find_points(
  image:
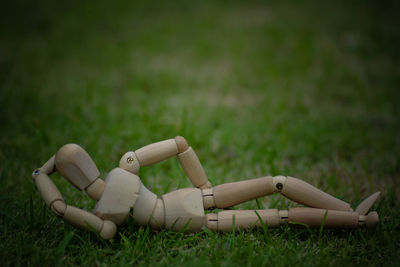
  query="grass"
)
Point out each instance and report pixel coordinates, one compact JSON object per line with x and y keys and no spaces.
{"x":304,"y":89}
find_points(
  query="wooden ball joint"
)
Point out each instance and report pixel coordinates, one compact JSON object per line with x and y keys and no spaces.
{"x":123,"y":191}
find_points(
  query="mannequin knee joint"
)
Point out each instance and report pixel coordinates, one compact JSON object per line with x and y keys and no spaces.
{"x":279,"y":182}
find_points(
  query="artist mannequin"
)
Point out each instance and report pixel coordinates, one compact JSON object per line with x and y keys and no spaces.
{"x":123,"y":190}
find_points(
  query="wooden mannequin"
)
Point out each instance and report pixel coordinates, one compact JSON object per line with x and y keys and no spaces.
{"x":123,"y":191}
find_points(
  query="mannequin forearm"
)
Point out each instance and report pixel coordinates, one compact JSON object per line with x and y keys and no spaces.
{"x":75,"y":216}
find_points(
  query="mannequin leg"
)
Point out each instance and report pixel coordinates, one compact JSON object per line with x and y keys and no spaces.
{"x":226,"y":220}
{"x":230,"y":194}
{"x":334,"y":218}
{"x":244,"y":219}
{"x":308,"y":195}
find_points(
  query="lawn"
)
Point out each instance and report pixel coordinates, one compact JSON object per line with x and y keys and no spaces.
{"x":305,"y":89}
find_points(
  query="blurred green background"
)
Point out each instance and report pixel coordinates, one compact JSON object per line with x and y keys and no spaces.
{"x":305,"y":88}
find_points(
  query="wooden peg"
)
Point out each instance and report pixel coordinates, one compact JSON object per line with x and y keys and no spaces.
{"x":184,"y":208}
{"x":370,"y":221}
{"x":192,"y":167}
{"x":308,"y":195}
{"x":314,"y":217}
{"x":156,"y":152}
{"x":283,"y":216}
{"x":278,"y":183}
{"x":208,"y":198}
{"x":230,"y":194}
{"x":75,"y":164}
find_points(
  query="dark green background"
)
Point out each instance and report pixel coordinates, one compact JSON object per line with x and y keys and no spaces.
{"x":305,"y":88}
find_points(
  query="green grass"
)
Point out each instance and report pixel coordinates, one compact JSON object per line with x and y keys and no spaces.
{"x":306,"y":89}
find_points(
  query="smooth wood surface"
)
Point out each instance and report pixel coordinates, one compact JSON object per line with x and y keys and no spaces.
{"x":245,"y":219}
{"x":75,"y":165}
{"x":314,"y":217}
{"x":120,"y":194}
{"x":129,"y":162}
{"x":49,"y":167}
{"x":109,"y":230}
{"x":81,"y":219}
{"x":85,"y":220}
{"x":184,"y":208}
{"x":156,"y":152}
{"x":230,"y":194}
{"x":207,"y":185}
{"x":58,"y":207}
{"x":192,"y":167}
{"x":144,"y":206}
{"x":47,"y":189}
{"x":96,"y":189}
{"x":372,"y":219}
{"x":157,"y":220}
{"x":181,"y":143}
{"x":308,"y":195}
{"x":364,"y":206}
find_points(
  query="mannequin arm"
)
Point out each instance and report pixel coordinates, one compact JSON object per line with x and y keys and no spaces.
{"x":156,"y":152}
{"x":54,"y":200}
